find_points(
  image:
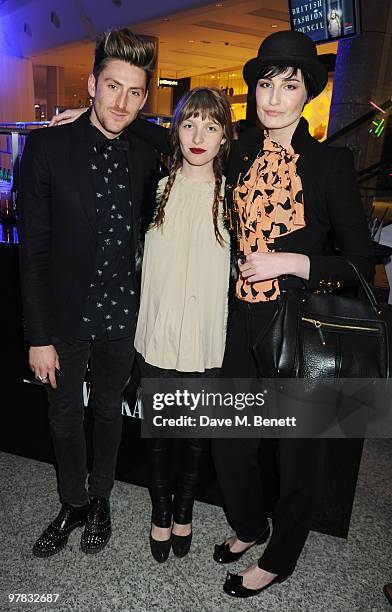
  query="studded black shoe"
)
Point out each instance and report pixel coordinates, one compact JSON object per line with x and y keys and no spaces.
{"x":55,"y":536}
{"x":98,"y":526}
{"x":223,"y":554}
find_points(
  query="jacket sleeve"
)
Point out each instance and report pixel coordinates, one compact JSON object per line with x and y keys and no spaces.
{"x":34,"y":212}
{"x":155,"y":135}
{"x":349,"y":226}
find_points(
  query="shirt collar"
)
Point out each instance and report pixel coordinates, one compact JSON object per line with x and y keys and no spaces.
{"x":98,"y":141}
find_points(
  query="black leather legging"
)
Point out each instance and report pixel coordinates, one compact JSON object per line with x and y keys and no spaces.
{"x":192,"y":450}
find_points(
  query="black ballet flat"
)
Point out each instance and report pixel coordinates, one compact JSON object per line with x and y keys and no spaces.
{"x":233,"y":586}
{"x":223,"y":554}
{"x":181,"y":544}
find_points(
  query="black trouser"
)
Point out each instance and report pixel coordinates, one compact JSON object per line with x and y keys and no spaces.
{"x":110,"y":363}
{"x":299,"y":461}
{"x":159,"y":456}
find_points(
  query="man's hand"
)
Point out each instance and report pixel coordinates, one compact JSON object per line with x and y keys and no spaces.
{"x":43,"y":361}
{"x":67,"y":116}
{"x":263,"y":266}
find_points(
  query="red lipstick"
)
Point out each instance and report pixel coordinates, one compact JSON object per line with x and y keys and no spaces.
{"x":197,"y":151}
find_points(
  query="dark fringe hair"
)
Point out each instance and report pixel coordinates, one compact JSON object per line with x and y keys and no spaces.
{"x":206,"y":103}
{"x":268,"y":72}
{"x":123,"y":44}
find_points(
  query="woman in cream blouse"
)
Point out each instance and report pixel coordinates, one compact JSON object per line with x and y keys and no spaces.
{"x":183,"y":310}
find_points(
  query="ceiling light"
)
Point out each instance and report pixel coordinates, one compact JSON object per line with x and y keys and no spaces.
{"x":191,"y":41}
{"x":219,"y":4}
{"x":274,"y":26}
{"x":212,"y":76}
{"x":232,"y":74}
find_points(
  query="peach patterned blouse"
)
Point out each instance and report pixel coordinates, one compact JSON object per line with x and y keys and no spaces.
{"x":269,"y":203}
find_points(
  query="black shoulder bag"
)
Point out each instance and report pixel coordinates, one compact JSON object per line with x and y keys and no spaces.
{"x":315,"y":335}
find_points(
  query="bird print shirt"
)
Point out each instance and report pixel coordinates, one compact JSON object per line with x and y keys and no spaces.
{"x":269,"y":204}
{"x":110,"y":305}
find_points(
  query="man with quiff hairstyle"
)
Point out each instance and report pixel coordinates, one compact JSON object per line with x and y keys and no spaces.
{"x":82,"y":189}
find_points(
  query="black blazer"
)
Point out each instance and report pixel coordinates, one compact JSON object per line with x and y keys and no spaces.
{"x":57,"y":224}
{"x":334,"y":213}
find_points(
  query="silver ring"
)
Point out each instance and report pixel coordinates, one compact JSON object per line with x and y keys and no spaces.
{"x":41,"y":378}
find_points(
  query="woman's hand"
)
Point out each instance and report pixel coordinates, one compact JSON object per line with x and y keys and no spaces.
{"x":67,"y":116}
{"x":263,"y":266}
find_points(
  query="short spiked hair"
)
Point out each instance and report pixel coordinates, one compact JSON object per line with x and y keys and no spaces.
{"x":124,"y":45}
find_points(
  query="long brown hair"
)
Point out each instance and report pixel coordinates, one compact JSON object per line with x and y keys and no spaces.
{"x":207,"y":103}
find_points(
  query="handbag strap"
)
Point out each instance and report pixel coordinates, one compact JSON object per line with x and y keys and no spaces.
{"x":290,"y":282}
{"x":364,"y":285}
{"x":290,"y":325}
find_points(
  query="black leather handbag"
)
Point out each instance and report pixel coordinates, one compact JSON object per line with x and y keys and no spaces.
{"x":314,"y":335}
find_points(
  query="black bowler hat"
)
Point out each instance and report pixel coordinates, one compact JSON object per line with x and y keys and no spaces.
{"x":288,"y":48}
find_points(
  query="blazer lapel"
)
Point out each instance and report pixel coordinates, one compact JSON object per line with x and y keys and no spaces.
{"x":303,"y":144}
{"x":80,"y":162}
{"x":300,"y":143}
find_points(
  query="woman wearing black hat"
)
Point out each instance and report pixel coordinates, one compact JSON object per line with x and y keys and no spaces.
{"x":285,"y":193}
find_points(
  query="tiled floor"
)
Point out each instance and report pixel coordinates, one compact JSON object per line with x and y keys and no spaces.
{"x":333,"y":575}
